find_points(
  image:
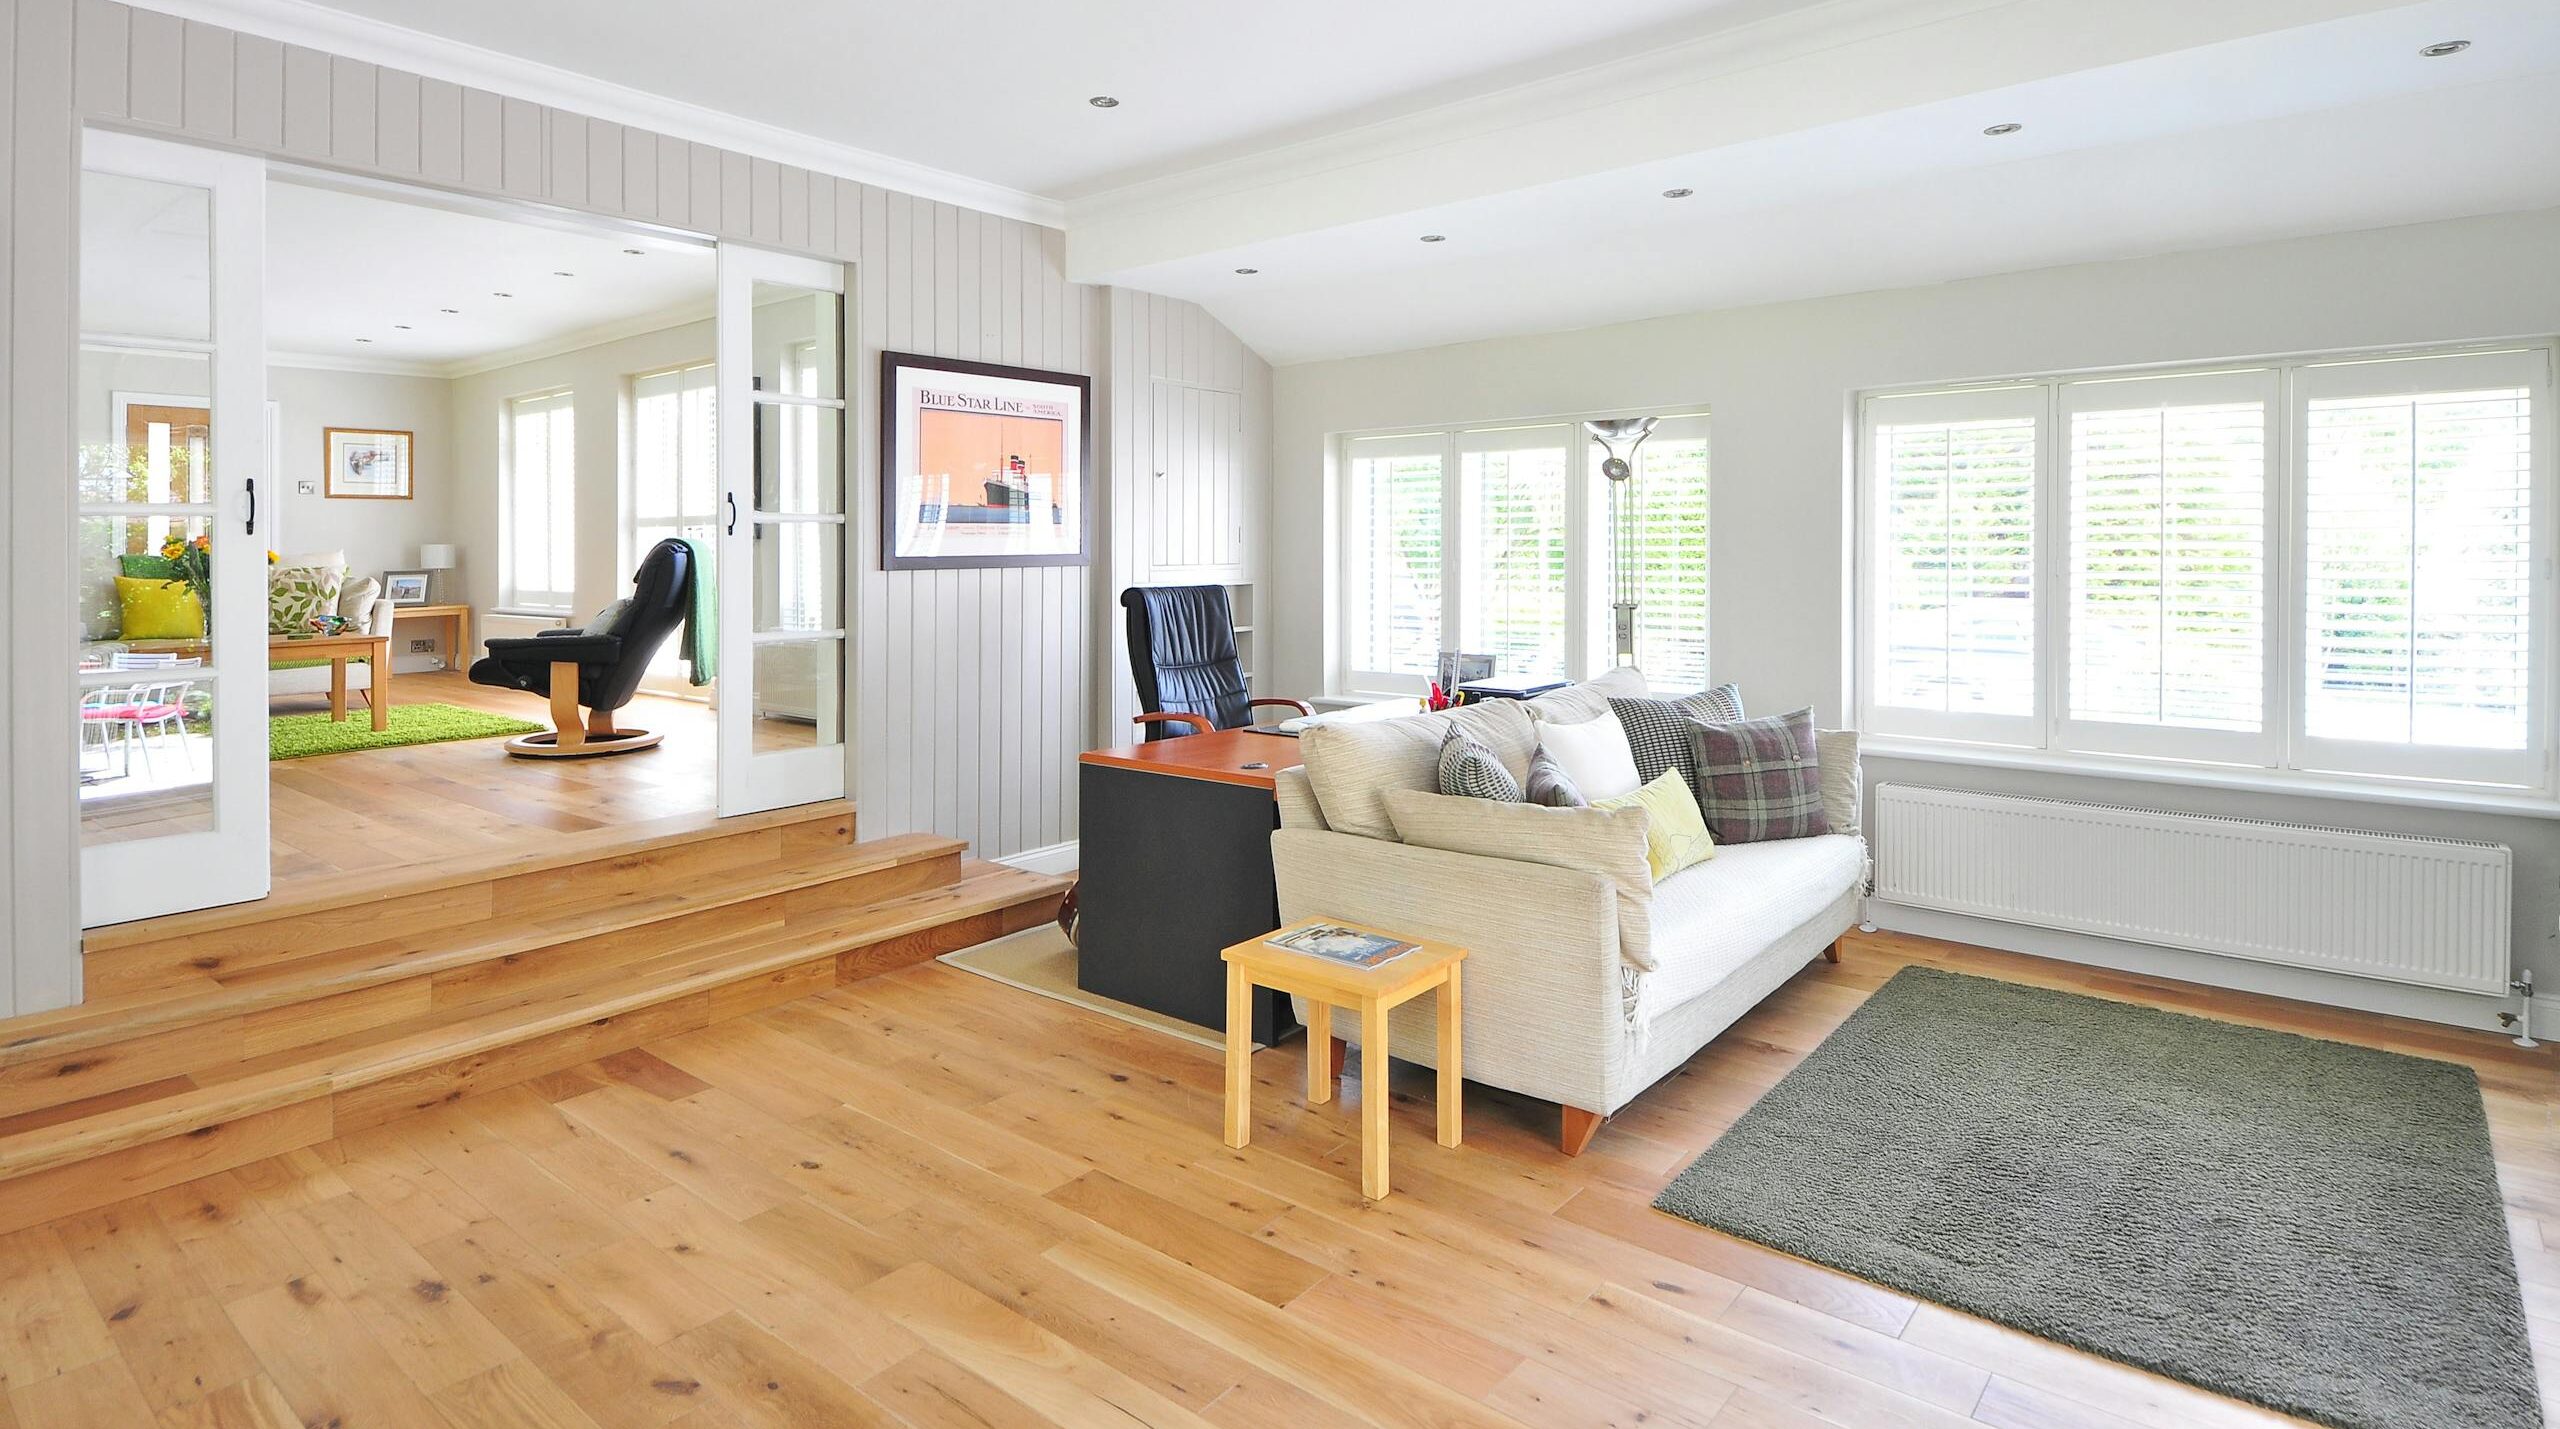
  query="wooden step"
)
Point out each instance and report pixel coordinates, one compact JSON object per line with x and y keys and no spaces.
{"x":225,"y":1115}
{"x":109,"y":1044}
{"x":190,"y":952}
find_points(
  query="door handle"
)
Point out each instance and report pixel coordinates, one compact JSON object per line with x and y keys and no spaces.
{"x":733,"y":512}
{"x":253,"y":506}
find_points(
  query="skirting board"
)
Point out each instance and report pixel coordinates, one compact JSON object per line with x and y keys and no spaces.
{"x":1054,"y":859}
{"x":2214,"y":970}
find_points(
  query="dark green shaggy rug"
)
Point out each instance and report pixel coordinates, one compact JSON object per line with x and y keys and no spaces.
{"x":2307,"y":1225}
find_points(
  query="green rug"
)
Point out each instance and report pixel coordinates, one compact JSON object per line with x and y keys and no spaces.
{"x":2307,"y":1225}
{"x":297,"y":736}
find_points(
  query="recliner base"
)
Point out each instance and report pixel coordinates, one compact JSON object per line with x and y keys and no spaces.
{"x":547,"y":745}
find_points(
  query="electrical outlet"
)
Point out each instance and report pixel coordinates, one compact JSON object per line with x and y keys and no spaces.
{"x":422,"y":647}
{"x":306,"y":488}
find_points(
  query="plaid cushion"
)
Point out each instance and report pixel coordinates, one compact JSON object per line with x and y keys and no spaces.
{"x":1472,"y":771}
{"x":1549,"y":785}
{"x":1658,"y":730}
{"x":1759,"y":779}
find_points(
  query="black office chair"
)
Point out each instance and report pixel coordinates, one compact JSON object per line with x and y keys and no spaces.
{"x":1182,"y":653}
{"x":596,"y":666}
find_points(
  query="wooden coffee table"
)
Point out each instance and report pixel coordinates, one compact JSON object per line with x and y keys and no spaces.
{"x":1373,"y":993}
{"x":374,"y":650}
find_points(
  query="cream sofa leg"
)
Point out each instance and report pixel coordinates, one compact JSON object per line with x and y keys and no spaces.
{"x":1832,"y":954}
{"x":1579,"y":1127}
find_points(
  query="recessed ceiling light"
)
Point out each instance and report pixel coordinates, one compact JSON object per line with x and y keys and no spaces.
{"x":634,"y":252}
{"x":2441,"y":48}
{"x":502,"y":295}
{"x":1248,"y":272}
{"x":364,"y":339}
{"x":448,"y":310}
{"x":1103,"y":101}
{"x":562,"y":273}
{"x":1677,"y":193}
{"x":1435,"y":238}
{"x":2000,"y":130}
{"x":404,"y":327}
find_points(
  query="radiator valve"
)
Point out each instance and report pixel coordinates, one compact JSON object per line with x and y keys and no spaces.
{"x":2522,"y":1018}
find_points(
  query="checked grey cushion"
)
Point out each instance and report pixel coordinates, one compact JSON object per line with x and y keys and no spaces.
{"x":1759,"y":779}
{"x":1549,"y":785}
{"x":1658,"y":730}
{"x":1470,"y":770}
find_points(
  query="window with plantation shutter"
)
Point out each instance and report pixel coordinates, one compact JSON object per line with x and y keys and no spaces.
{"x":2419,"y":552}
{"x":2168,"y":563}
{"x":1391,"y":577}
{"x":1669,"y":553}
{"x":538,"y":537}
{"x":1513,"y":600}
{"x":674,"y":479}
{"x":1953,"y":491}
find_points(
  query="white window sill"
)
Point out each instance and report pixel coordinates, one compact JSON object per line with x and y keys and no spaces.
{"x":2514,"y":803}
{"x":531,"y":612}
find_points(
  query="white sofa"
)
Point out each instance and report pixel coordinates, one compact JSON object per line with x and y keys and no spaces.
{"x":372,"y":615}
{"x":1557,"y":1005}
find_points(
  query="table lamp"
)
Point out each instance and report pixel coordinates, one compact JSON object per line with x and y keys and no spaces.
{"x":435,"y":558}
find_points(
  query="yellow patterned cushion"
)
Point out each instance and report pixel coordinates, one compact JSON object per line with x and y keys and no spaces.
{"x":1675,"y":832}
{"x":159,"y":610}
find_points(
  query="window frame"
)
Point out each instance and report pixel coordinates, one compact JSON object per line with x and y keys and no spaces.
{"x":2282,"y":754}
{"x":1587,"y":631}
{"x":510,"y":598}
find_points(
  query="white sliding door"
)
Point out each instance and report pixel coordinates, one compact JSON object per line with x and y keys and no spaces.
{"x":784,"y":538}
{"x":172,"y":645}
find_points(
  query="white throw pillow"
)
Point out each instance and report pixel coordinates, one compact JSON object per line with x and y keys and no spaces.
{"x":1594,"y":754}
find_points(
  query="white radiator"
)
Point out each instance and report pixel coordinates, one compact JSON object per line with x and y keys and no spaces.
{"x":2433,"y":912}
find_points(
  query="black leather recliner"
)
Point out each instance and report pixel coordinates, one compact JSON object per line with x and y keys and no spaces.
{"x":597,"y":666}
{"x":1182,"y":653}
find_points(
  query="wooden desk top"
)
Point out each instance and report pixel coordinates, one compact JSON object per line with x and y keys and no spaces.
{"x":1220,"y":756}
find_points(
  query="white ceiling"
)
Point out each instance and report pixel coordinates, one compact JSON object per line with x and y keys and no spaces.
{"x":1834,"y":145}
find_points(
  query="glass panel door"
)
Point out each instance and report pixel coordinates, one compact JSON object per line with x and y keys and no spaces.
{"x":783,"y":535}
{"x":172,"y":643}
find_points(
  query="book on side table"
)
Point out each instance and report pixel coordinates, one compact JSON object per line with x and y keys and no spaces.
{"x":1339,"y":943}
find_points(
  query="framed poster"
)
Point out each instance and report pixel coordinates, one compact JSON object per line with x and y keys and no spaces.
{"x":982,"y":465}
{"x":366,"y":465}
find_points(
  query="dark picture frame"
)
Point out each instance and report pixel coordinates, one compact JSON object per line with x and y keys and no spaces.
{"x":993,"y":506}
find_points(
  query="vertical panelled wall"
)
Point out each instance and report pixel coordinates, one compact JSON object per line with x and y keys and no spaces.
{"x":973,"y":692}
{"x":1172,"y":521}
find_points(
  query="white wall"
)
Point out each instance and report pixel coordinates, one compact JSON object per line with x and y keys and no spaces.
{"x":376,"y":535}
{"x":1779,"y":380}
{"x":599,"y":376}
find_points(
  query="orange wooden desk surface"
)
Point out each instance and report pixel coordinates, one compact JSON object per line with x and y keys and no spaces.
{"x":1220,"y":755}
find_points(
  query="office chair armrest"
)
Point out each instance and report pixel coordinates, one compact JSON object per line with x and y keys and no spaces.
{"x":1199,"y":723}
{"x":1301,"y":706}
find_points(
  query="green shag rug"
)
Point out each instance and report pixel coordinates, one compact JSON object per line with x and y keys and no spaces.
{"x":297,"y":736}
{"x":2306,"y":1225}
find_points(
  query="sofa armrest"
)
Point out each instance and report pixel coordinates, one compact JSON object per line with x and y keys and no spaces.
{"x":379,"y":615}
{"x":1545,"y":997}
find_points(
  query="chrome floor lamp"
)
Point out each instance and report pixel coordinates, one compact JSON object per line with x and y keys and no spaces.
{"x":1619,"y":437}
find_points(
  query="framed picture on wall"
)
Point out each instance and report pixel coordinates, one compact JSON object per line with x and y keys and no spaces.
{"x":366,"y":465}
{"x":982,"y":465}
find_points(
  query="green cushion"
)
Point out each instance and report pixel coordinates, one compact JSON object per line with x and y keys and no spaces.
{"x":146,"y":567}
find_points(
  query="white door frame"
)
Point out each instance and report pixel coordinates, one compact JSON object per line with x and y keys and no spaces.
{"x":226,"y":863}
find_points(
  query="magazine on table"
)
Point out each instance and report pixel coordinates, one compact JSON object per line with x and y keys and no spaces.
{"x":1335,"y":943}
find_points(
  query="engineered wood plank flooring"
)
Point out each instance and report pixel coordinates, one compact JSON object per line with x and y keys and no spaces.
{"x":927,"y":1200}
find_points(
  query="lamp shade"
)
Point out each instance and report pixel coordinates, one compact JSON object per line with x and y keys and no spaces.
{"x":435,"y":558}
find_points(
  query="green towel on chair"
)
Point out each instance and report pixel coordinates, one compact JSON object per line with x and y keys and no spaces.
{"x":702,"y":621}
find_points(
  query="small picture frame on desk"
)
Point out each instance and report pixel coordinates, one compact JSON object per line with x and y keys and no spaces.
{"x":405,"y":587}
{"x":1459,"y":668}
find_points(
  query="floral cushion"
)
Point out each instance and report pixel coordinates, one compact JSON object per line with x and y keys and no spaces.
{"x":299,"y":595}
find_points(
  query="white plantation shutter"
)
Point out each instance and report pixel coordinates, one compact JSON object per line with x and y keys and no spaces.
{"x":2168,"y":564}
{"x":1394,"y":527}
{"x":1669,"y":554}
{"x":1513,"y":600}
{"x":674,"y":478}
{"x":1952,"y":638}
{"x":2422,"y":600}
{"x":540,"y":536}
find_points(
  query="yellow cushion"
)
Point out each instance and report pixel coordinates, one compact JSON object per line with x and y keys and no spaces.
{"x":1675,"y":832}
{"x":159,"y":610}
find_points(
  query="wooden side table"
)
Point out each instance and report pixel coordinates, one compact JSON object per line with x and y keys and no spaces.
{"x":1373,"y":993}
{"x":456,"y":620}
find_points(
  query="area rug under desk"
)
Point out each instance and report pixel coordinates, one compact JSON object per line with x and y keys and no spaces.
{"x":2308,"y":1225}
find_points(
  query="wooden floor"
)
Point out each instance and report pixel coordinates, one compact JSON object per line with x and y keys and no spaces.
{"x":378,"y":808}
{"x":930,"y":1199}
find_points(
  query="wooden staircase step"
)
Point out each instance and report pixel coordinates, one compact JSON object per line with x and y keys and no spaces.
{"x":227,"y":1115}
{"x":56,"y":1053}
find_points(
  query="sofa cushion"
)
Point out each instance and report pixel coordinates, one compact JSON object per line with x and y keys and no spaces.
{"x":1594,"y":753}
{"x":1712,"y":918}
{"x":1675,"y":833}
{"x":1548,"y":784}
{"x":299,"y":595}
{"x":1576,"y":703}
{"x":1468,"y":770}
{"x":1608,"y":842}
{"x":1760,"y":779}
{"x":1841,"y":787}
{"x":1658,"y":730}
{"x":1351,"y":765}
